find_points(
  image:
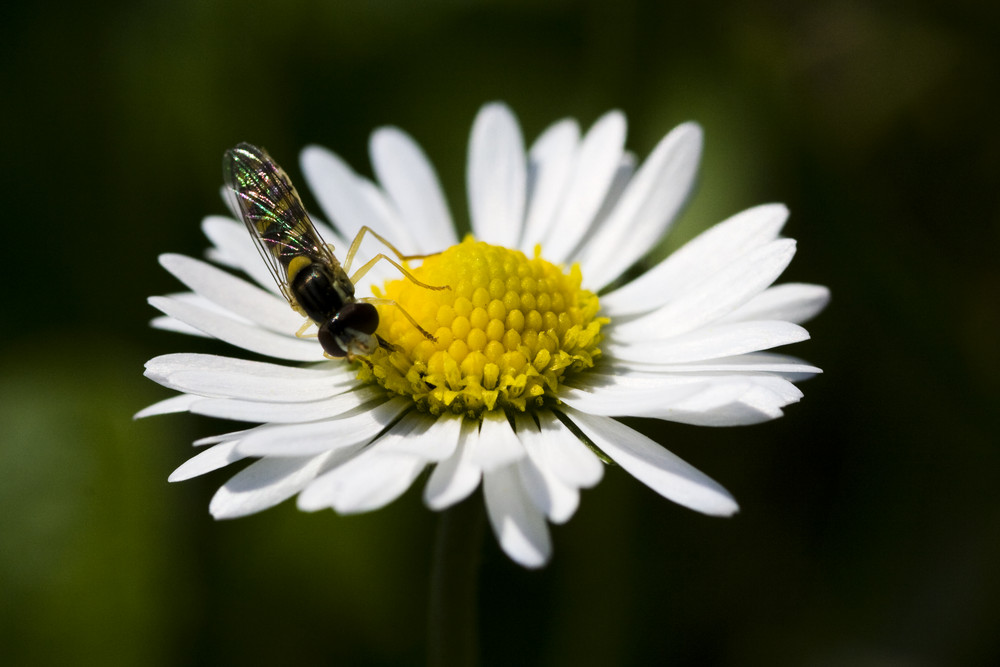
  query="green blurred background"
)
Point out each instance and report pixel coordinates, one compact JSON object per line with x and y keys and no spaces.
{"x":869,"y":525}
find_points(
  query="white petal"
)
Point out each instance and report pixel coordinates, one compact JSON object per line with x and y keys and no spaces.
{"x":217,"y":376}
{"x":714,"y":298}
{"x":203,"y":303}
{"x":498,"y":444}
{"x":757,"y":402}
{"x":231,"y":436}
{"x":164,"y":323}
{"x":211,"y":459}
{"x":638,"y":401}
{"x":594,"y":170}
{"x":497,"y":177}
{"x":240,"y":334}
{"x":550,"y":165}
{"x":565,"y":455}
{"x":519,"y":527}
{"x":457,"y":476}
{"x":395,"y":473}
{"x":235,"y":248}
{"x":770,"y":390}
{"x":403,"y":235}
{"x":646,"y":209}
{"x":229,"y":239}
{"x":656,"y":467}
{"x":167,"y":366}
{"x":792,"y":302}
{"x":341,"y":194}
{"x":548,"y":493}
{"x":432,"y":438}
{"x":288,"y":413}
{"x":557,"y":500}
{"x":619,"y":184}
{"x":264,"y":484}
{"x":319,"y":494}
{"x":719,"y":340}
{"x":411,"y":183}
{"x":711,"y":400}
{"x":382,"y":218}
{"x":737,"y":401}
{"x":370,"y":480}
{"x":167,"y":406}
{"x":701,"y":257}
{"x":354,"y":428}
{"x":608,"y":376}
{"x":760,"y":362}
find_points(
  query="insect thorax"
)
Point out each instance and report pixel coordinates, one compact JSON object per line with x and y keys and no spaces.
{"x":318,"y":292}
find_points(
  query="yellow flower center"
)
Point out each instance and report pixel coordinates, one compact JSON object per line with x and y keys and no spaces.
{"x":507,"y":332}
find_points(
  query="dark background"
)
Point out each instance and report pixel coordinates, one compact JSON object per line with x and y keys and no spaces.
{"x":869,"y":522}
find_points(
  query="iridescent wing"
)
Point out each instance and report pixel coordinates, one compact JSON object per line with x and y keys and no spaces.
{"x":273,"y":213}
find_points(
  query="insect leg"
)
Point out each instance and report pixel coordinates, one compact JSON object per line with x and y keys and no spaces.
{"x":301,"y":333}
{"x":356,"y":276}
{"x":389,"y":302}
{"x":356,"y":243}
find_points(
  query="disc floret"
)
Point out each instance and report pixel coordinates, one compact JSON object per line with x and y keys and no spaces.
{"x":507,"y":333}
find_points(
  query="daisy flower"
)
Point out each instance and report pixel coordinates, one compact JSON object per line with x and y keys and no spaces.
{"x":537,"y":345}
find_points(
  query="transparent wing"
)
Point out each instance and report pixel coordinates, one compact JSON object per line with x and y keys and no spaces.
{"x":273,"y":213}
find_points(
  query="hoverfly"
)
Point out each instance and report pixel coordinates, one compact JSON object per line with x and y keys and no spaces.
{"x":304,"y":267}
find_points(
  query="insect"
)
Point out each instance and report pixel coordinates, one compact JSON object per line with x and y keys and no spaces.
{"x":304,"y":267}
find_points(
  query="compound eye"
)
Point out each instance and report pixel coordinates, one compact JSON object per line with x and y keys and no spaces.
{"x":328,"y":339}
{"x":361,"y":317}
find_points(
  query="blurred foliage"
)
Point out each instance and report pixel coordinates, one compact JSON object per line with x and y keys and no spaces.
{"x":869,"y":514}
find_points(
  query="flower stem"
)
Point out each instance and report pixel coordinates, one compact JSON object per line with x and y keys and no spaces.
{"x":452,"y":617}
